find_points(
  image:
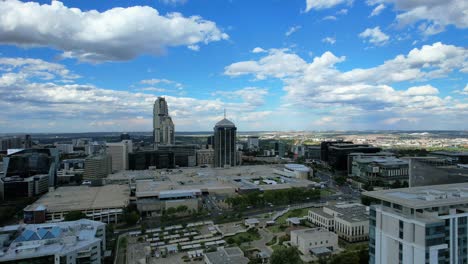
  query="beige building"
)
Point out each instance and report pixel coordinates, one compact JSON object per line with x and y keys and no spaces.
{"x":103,"y":203}
{"x":349,"y":221}
{"x":309,"y":239}
{"x":205,"y":156}
{"x":119,"y":153}
{"x":97,"y":167}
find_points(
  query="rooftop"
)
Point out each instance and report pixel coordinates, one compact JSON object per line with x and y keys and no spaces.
{"x":310,"y":233}
{"x":212,"y":180}
{"x":351,"y":212}
{"x":297,"y":167}
{"x":424,"y":196}
{"x":77,"y":198}
{"x":48,"y":239}
{"x":233,"y":255}
{"x":225,"y":123}
{"x":449,"y":153}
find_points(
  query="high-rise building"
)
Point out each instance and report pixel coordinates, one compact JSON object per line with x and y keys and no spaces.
{"x":419,"y":225}
{"x":225,"y":144}
{"x":253,"y":143}
{"x":30,"y":162}
{"x":97,"y":166}
{"x":119,"y":153}
{"x":23,"y":142}
{"x":280,"y":149}
{"x":336,"y":153}
{"x":143,"y":160}
{"x":163,"y":127}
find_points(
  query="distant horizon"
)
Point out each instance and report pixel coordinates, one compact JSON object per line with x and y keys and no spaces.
{"x":253,"y":131}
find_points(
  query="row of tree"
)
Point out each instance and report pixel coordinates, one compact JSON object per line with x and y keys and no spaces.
{"x":276,"y":197}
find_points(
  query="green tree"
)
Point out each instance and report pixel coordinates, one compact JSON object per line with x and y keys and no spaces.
{"x":74,"y":215}
{"x":396,"y":185}
{"x":131,"y":215}
{"x":286,"y":256}
{"x":340,"y":180}
{"x":131,"y":218}
{"x":181,"y":208}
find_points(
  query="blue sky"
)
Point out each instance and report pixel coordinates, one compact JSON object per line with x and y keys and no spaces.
{"x":78,"y":66}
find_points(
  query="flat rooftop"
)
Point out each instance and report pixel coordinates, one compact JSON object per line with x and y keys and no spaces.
{"x":212,"y":180}
{"x":424,"y":196}
{"x":77,"y":198}
{"x":39,"y":240}
{"x":310,"y":233}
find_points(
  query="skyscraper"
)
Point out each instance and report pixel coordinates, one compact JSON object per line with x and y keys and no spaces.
{"x":163,"y":127}
{"x":119,"y":153}
{"x":225,"y":144}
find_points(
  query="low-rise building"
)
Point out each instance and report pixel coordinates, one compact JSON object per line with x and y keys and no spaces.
{"x":313,"y":238}
{"x":82,"y":241}
{"x":232,"y":255}
{"x":292,"y":170}
{"x":378,"y":171}
{"x":349,"y":221}
{"x":18,"y":187}
{"x":251,"y":222}
{"x":153,"y":197}
{"x":101,"y":203}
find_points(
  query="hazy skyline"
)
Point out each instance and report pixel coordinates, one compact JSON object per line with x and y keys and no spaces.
{"x":83,"y":66}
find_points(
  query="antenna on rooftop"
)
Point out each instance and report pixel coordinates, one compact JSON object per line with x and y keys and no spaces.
{"x":224,"y":113}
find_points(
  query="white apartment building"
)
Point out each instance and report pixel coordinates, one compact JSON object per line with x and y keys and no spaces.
{"x":82,"y":241}
{"x":419,"y":225}
{"x":349,"y":221}
{"x":312,"y":238}
{"x":119,"y":153}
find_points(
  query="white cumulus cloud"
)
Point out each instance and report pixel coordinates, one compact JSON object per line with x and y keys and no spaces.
{"x":330,"y":40}
{"x":324,"y":4}
{"x":435,"y":14}
{"x":113,"y":35}
{"x":374,"y":36}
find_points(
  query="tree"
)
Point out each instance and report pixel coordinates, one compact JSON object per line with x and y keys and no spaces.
{"x":396,"y":185}
{"x":74,"y":215}
{"x":286,"y":256}
{"x":131,"y":218}
{"x":131,"y":215}
{"x":340,"y":180}
{"x":181,"y":208}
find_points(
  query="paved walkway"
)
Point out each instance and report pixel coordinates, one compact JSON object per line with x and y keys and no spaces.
{"x":261,"y":244}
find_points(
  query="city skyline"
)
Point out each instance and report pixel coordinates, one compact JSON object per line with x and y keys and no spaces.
{"x":291,"y":65}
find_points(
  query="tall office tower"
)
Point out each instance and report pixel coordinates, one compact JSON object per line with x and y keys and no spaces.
{"x":252,"y":143}
{"x":119,"y":154}
{"x":163,"y":127}
{"x":425,"y":224}
{"x":225,"y":144}
{"x":97,"y":166}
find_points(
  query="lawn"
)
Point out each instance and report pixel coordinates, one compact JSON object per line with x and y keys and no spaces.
{"x":243,"y":237}
{"x":326,"y":192}
{"x":292,"y":213}
{"x":277,"y":247}
{"x":281,"y":224}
